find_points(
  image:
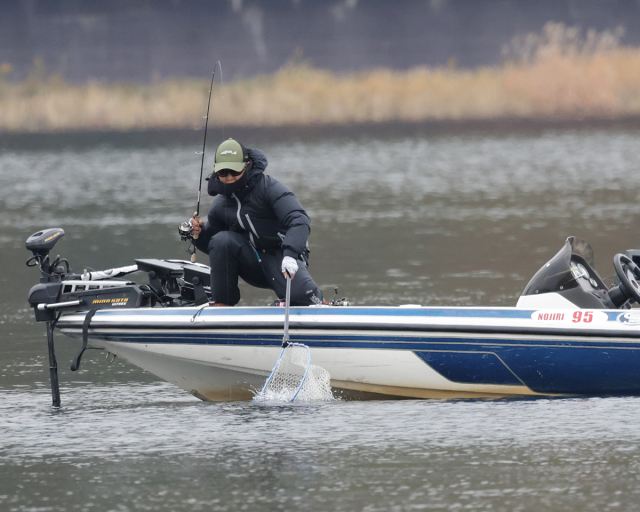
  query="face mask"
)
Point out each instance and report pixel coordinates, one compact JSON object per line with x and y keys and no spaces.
{"x":216,"y":187}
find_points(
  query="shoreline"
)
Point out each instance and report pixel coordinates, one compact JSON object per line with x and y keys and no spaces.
{"x":161,"y":137}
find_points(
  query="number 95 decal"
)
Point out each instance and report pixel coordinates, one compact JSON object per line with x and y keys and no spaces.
{"x":583,"y":316}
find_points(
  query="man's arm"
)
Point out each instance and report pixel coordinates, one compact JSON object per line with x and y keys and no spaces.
{"x":292,"y":216}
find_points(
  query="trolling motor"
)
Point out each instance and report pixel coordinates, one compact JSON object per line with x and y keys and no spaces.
{"x":61,"y":290}
{"x":40,"y":244}
{"x":171,"y":282}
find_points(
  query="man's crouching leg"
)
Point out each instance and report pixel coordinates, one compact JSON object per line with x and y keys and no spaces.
{"x":304,"y":290}
{"x":228,"y":253}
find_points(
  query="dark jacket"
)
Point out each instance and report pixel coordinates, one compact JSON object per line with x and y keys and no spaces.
{"x":264,"y":210}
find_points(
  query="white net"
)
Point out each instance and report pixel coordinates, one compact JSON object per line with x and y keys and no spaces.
{"x":317,"y":385}
{"x":295,"y":379}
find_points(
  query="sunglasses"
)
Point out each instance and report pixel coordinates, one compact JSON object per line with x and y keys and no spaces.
{"x":225,"y":172}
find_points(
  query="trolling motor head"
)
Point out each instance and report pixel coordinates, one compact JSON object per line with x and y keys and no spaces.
{"x":41,"y":244}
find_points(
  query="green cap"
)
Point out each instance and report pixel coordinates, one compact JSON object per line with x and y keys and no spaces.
{"x":231,"y":155}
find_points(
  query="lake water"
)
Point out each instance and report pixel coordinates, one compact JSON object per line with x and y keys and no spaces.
{"x":450,"y":218}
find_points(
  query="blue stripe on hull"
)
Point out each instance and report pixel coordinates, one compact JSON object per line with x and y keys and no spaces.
{"x":575,"y":370}
{"x":470,"y":367}
{"x":583,"y":371}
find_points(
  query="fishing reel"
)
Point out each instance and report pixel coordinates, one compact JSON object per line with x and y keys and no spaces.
{"x":339,"y":302}
{"x":185,"y":230}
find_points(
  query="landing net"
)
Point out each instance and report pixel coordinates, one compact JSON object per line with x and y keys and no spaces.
{"x":294,"y":378}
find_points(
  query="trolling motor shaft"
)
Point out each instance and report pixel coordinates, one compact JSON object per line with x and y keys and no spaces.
{"x":53,"y":366}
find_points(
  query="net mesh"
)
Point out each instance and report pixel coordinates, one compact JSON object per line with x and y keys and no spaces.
{"x":293,"y":369}
{"x":317,"y":385}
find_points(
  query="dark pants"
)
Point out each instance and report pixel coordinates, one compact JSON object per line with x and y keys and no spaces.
{"x":232,"y":256}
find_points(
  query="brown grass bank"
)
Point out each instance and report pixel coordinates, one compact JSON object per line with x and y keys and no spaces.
{"x":557,"y":75}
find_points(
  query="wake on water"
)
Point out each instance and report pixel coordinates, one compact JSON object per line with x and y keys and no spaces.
{"x":295,"y":379}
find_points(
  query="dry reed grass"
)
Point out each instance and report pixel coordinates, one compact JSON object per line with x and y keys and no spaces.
{"x":557,"y":74}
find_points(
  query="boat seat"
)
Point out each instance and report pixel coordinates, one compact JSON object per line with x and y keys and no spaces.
{"x":163,"y":269}
{"x":202,"y":273}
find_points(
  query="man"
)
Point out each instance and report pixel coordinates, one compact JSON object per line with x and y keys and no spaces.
{"x":256,"y":229}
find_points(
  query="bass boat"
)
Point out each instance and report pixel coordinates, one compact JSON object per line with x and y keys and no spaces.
{"x":568,"y":334}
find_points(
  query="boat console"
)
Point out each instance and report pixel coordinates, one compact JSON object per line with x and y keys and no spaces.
{"x":569,"y":280}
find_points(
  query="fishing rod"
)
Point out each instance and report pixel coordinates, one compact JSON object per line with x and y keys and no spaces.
{"x":186,"y":228}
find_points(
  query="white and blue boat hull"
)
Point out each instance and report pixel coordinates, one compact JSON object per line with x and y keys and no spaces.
{"x":421,"y":352}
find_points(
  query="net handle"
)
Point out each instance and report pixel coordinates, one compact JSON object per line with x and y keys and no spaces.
{"x":287,"y":302}
{"x":285,"y":339}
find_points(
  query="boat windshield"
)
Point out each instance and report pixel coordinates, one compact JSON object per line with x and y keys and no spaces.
{"x":574,"y":261}
{"x":582,"y":249}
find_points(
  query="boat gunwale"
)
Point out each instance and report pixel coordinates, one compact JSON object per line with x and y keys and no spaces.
{"x":404,"y":330}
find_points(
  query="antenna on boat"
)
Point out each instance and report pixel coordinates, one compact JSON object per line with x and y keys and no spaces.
{"x":204,"y":144}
